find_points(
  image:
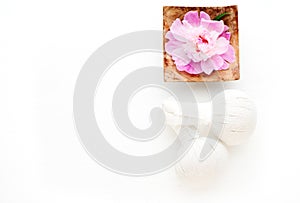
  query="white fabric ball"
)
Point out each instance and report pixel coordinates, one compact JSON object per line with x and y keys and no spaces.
{"x":232,"y":120}
{"x":234,"y":117}
{"x":192,"y":165}
{"x":174,"y":116}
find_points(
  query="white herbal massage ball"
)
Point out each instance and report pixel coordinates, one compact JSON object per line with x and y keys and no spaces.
{"x":231,"y":117}
{"x":234,"y":117}
{"x":174,"y":116}
{"x":193,"y":165}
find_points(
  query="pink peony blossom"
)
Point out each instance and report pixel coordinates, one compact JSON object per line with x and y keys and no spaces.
{"x":198,"y":44}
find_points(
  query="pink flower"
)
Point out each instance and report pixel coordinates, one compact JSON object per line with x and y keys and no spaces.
{"x":198,"y":44}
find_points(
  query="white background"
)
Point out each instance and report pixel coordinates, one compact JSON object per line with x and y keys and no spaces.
{"x":43,"y":45}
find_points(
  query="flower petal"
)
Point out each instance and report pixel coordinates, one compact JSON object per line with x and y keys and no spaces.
{"x":226,"y":34}
{"x":229,"y":55}
{"x":222,"y":45}
{"x":211,"y":64}
{"x":172,"y":44}
{"x":225,"y":28}
{"x":178,"y":61}
{"x":218,"y":61}
{"x":225,"y":66}
{"x":191,"y":68}
{"x":207,"y":66}
{"x":169,"y":36}
{"x":192,"y":18}
{"x":213,"y":25}
{"x":196,"y":67}
{"x":204,"y":15}
{"x":179,"y":30}
{"x":180,"y":57}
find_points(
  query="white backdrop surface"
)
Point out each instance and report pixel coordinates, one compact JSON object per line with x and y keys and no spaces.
{"x":43,"y":45}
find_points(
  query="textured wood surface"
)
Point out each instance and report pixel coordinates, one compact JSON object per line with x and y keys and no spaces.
{"x":170,"y":13}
